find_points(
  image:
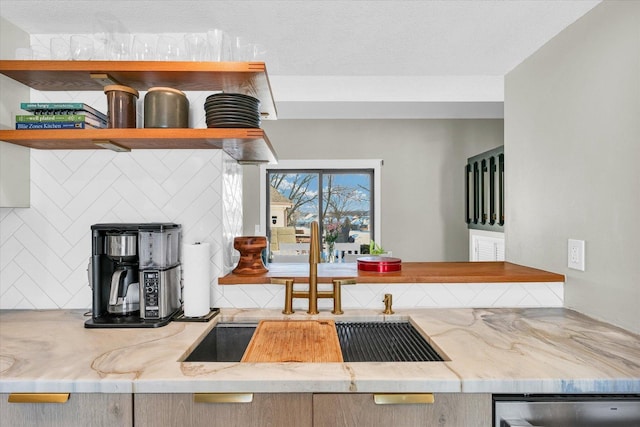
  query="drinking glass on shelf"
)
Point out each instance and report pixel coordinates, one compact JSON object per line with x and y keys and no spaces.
{"x":241,"y":49}
{"x":168,"y":49}
{"x":196,"y":46}
{"x":219,"y":45}
{"x":258,"y":52}
{"x":81,"y":47}
{"x":119,"y":46}
{"x":144,"y":47}
{"x":59,"y":49}
{"x":246,"y":50}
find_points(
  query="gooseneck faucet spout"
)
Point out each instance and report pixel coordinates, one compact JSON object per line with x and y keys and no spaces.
{"x":314,"y":260}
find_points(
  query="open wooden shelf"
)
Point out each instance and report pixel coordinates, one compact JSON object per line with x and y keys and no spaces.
{"x":251,"y":145}
{"x":249,"y":78}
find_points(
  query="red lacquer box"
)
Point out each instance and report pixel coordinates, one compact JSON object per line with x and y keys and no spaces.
{"x":379,"y":264}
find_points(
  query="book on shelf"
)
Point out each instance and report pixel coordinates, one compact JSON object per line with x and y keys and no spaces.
{"x":61,"y":108}
{"x":49,"y":118}
{"x":53,"y":125}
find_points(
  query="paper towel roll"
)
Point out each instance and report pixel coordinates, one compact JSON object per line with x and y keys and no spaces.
{"x":196,"y":279}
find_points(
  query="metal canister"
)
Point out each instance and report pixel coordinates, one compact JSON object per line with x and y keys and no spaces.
{"x":165,"y":107}
{"x":121,"y":106}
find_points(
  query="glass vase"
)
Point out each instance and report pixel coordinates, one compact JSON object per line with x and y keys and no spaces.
{"x":331,"y":252}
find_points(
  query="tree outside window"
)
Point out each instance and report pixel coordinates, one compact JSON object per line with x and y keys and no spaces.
{"x":340,"y":200}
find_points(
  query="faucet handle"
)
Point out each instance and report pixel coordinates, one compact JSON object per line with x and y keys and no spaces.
{"x":288,"y":293}
{"x":337,"y":294}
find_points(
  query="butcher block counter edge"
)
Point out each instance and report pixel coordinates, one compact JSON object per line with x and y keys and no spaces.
{"x":411,"y":272}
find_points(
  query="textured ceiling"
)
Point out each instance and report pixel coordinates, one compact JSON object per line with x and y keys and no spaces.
{"x":343,"y":39}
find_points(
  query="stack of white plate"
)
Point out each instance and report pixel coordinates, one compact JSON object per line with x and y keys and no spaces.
{"x":232,"y":110}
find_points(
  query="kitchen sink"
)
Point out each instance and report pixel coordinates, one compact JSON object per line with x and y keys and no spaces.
{"x":225,"y":343}
{"x":384,"y":342}
{"x":359,"y":342}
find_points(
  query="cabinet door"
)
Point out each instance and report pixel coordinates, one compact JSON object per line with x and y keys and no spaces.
{"x":447,"y":410}
{"x":224,"y":410}
{"x":81,"y":409}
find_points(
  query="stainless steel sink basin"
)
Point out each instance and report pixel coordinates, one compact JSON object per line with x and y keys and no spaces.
{"x":359,"y":342}
{"x":225,"y":343}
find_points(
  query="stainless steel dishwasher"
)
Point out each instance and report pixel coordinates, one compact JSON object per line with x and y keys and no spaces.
{"x":566,"y":410}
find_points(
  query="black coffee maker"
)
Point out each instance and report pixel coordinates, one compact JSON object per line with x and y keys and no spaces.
{"x":120,"y":262}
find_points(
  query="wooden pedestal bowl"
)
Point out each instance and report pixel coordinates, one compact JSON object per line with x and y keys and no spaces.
{"x":250,"y":248}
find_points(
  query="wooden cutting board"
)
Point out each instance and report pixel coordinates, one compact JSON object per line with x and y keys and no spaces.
{"x":294,"y":341}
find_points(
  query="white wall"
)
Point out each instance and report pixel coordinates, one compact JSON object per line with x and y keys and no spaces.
{"x":422,"y":177}
{"x":572,"y":140}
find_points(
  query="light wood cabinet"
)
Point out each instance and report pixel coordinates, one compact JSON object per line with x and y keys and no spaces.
{"x":81,"y":409}
{"x":248,"y":145}
{"x":307,"y":409}
{"x":447,"y":410}
{"x":224,"y":410}
{"x":247,"y":409}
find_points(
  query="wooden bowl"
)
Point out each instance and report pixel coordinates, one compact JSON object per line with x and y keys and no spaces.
{"x":250,"y":248}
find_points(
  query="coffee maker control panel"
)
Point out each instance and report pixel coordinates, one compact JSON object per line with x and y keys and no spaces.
{"x":151,"y":286}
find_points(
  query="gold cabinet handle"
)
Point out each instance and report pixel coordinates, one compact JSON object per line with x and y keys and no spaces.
{"x":403,"y":399}
{"x":223,"y":397}
{"x":38,"y":397}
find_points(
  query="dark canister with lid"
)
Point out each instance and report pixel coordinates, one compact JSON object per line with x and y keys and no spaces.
{"x":121,"y":106}
{"x":165,"y":107}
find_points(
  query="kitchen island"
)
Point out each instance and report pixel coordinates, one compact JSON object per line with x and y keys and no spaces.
{"x":138,"y":377}
{"x":549,"y":350}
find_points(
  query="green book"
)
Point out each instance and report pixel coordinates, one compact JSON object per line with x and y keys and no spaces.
{"x":49,"y":118}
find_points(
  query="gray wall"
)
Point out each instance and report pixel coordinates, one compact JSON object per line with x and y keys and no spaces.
{"x":422,"y":177}
{"x":572,"y":140}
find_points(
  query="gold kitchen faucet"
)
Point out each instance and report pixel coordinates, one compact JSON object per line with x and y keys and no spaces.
{"x":313,"y":294}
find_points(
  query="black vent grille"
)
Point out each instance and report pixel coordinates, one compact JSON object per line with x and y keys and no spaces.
{"x":384,"y":342}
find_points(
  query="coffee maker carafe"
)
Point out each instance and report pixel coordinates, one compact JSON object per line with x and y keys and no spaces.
{"x":124,"y":292}
{"x":134,"y":274}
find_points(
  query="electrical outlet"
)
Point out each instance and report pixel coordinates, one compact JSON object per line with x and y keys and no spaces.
{"x":575,"y":254}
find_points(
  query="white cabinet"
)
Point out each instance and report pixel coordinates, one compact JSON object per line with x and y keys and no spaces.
{"x":486,"y":245}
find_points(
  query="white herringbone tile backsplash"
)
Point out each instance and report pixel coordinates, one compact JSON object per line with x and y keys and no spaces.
{"x":44,"y":249}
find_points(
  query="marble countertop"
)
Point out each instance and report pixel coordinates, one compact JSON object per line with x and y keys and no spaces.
{"x":541,"y":350}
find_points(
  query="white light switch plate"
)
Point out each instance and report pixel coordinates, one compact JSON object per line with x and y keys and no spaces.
{"x":575,"y":254}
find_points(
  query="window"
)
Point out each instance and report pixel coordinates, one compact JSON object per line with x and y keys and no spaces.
{"x":342,"y":196}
